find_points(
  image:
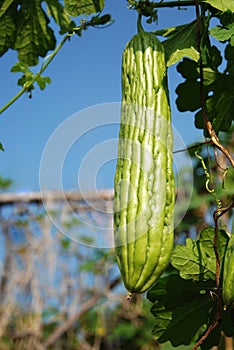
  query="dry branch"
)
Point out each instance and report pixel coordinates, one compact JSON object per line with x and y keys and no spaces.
{"x":67,"y":324}
{"x":55,"y":196}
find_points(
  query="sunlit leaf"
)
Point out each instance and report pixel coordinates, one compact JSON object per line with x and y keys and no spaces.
{"x":5,"y":5}
{"x":222,"y":5}
{"x":196,"y":260}
{"x":188,"y":260}
{"x":43,"y":81}
{"x":8,"y":17}
{"x":57,"y":11}
{"x":34,"y":36}
{"x":83,"y":7}
{"x":181,"y":42}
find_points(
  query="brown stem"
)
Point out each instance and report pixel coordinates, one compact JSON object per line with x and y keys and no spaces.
{"x":215,"y":139}
{"x":192,"y":147}
{"x":213,"y":136}
{"x":209,"y":127}
{"x":205,"y":335}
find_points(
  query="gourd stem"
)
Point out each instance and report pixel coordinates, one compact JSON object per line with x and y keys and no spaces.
{"x":139,"y":24}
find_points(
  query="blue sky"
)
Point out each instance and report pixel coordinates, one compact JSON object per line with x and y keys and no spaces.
{"x":85,"y":73}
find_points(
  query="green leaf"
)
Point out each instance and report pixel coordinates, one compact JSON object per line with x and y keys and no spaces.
{"x":196,"y":260}
{"x":222,"y":5}
{"x":28,"y":76}
{"x":188,"y":260}
{"x":188,"y":69}
{"x":43,"y":81}
{"x":8,"y":17}
{"x":83,"y":7}
{"x":229,"y":55}
{"x":173,"y":291}
{"x":20,"y":67}
{"x":5,"y":183}
{"x":218,"y":90}
{"x":188,"y":96}
{"x":226,"y":31}
{"x":190,"y":317}
{"x":163,"y":319}
{"x":228,"y":322}
{"x":5,"y":7}
{"x":57,"y":11}
{"x":220,"y":104}
{"x":181,"y":325}
{"x":222,"y":34}
{"x":1,"y":147}
{"x":206,"y":242}
{"x":34,"y":37}
{"x":180,"y":304}
{"x":229,"y":180}
{"x":182,"y":41}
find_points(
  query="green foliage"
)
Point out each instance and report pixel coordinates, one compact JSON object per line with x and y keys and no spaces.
{"x":24,"y":25}
{"x":196,"y":260}
{"x":223,"y":5}
{"x":60,"y":16}
{"x":219,"y":92}
{"x":181,"y":41}
{"x":28,"y":77}
{"x":34,"y":37}
{"x":83,"y":7}
{"x":185,"y":298}
{"x":226,"y":30}
{"x":179,"y":305}
{"x":5,"y":183}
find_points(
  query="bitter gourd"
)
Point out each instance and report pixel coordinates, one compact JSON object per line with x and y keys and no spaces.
{"x":144,"y":180}
{"x":228,"y":273}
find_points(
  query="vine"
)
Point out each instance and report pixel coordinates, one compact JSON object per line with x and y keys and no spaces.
{"x":95,"y":21}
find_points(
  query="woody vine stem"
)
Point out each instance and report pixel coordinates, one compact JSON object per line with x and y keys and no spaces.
{"x":220,"y":210}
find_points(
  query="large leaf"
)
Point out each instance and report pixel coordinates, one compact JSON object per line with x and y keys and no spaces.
{"x":196,"y":260}
{"x":179,"y":304}
{"x":8,"y":17}
{"x":83,"y":7}
{"x":190,"y":317}
{"x":34,"y":36}
{"x":5,"y":5}
{"x":219,"y":102}
{"x":206,"y":242}
{"x":181,"y":42}
{"x":189,"y":260}
{"x":222,"y":5}
{"x":218,"y":89}
{"x":173,"y":291}
{"x":226,"y":30}
{"x":57,"y":11}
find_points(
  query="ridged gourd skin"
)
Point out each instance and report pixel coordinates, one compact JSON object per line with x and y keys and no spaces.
{"x":144,"y":181}
{"x":228,"y":273}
